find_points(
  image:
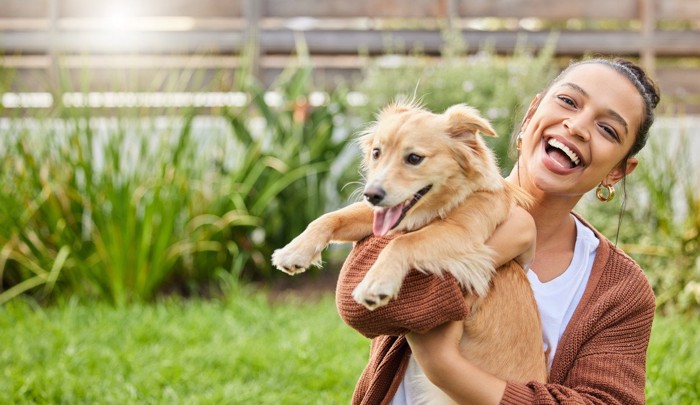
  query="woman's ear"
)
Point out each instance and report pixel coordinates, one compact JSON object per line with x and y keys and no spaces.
{"x":619,"y":171}
{"x":530,"y":111}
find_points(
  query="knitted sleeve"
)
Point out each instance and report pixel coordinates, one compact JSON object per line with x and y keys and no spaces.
{"x":603,"y":357}
{"x":424,"y":301}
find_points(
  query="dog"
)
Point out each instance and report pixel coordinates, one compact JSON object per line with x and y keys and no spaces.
{"x":433,"y":178}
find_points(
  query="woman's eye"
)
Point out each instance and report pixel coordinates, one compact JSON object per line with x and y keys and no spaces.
{"x":611,"y":132}
{"x":413,"y":159}
{"x":567,"y":101}
{"x":375,"y":154}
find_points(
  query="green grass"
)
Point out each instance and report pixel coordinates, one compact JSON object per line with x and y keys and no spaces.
{"x":241,"y":350}
{"x":673,"y":362}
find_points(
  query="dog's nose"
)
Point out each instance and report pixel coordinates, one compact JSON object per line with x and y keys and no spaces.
{"x":374,"y":195}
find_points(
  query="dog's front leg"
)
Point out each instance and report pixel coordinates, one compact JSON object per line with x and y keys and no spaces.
{"x":348,"y":224}
{"x":383,"y":280}
{"x":444,"y":246}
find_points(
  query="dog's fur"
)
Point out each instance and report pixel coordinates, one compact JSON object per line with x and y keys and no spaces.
{"x":434,"y":175}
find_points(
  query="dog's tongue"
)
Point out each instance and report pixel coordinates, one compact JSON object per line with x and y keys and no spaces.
{"x":385,"y":219}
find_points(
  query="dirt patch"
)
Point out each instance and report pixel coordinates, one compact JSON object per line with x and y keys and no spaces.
{"x":310,"y":286}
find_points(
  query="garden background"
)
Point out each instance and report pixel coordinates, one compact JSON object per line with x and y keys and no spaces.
{"x":154,"y":155}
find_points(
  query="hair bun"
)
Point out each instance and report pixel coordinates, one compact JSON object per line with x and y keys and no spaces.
{"x":650,"y":90}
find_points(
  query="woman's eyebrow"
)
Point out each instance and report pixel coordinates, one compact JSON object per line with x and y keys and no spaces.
{"x":576,"y":87}
{"x":612,"y":113}
{"x":617,"y":117}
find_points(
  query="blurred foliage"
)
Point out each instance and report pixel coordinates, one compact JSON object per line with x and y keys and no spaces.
{"x":179,"y":351}
{"x":113,"y":207}
{"x":290,"y":172}
{"x":657,"y":220}
{"x":501,"y":87}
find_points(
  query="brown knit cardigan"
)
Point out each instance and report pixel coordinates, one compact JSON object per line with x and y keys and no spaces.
{"x":601,"y":357}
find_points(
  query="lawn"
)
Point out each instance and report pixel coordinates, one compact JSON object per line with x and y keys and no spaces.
{"x":240,"y":350}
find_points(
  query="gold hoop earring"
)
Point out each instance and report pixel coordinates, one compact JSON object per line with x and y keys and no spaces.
{"x":519,"y":141}
{"x":601,"y":195}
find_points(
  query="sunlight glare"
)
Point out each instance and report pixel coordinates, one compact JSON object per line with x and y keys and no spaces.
{"x":118,"y":19}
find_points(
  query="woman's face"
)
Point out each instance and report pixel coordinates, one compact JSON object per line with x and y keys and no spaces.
{"x":581,"y":130}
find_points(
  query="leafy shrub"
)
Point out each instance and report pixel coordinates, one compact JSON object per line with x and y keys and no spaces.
{"x":290,"y":173}
{"x":110,"y":206}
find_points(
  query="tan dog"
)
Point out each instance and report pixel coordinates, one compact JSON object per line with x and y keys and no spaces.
{"x":432,"y":176}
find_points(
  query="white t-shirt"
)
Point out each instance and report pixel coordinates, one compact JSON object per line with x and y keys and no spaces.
{"x":556,"y":299}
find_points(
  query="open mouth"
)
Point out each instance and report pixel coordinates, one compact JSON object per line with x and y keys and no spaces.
{"x":387,"y":218}
{"x":562,"y":154}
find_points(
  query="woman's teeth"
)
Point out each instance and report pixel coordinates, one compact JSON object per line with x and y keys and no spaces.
{"x":573,"y":156}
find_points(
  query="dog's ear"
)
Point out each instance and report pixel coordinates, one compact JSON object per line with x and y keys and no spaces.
{"x":463,"y":119}
{"x":365,"y":138}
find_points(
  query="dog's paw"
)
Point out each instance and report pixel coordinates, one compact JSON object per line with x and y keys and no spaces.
{"x":294,"y":261}
{"x":375,"y":294}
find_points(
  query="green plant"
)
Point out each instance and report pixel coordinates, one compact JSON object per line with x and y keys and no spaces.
{"x":673,"y":361}
{"x":289,"y":173}
{"x":108,"y":206}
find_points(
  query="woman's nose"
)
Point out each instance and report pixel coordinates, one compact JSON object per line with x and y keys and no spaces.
{"x":576,"y":127}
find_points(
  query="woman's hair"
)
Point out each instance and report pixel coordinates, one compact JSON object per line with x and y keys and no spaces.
{"x":644,"y":85}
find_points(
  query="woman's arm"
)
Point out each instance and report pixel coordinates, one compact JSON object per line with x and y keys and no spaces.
{"x":604,"y":362}
{"x":437,"y":352}
{"x":514,"y":238}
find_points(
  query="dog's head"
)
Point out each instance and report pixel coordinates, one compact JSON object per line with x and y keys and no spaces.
{"x":419,"y":165}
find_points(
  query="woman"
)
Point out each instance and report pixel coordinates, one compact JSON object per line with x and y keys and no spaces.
{"x":580,"y":133}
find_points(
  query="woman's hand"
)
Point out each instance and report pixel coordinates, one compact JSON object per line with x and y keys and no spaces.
{"x":437,"y":352}
{"x":437,"y":346}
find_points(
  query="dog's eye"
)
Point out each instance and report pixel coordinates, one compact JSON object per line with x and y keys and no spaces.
{"x":414,"y":159}
{"x":375,"y":153}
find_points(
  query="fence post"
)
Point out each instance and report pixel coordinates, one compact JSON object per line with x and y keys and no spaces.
{"x":252,"y":10}
{"x":647,"y":11}
{"x":53,"y":73}
{"x":452,"y":13}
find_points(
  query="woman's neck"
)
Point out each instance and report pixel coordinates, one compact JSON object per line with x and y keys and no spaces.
{"x":553,"y":222}
{"x":556,"y":232}
{"x":556,"y":239}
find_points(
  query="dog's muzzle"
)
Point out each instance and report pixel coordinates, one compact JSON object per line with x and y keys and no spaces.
{"x":374,"y":195}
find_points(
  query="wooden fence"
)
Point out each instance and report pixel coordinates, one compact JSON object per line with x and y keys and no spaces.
{"x":142,"y":39}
